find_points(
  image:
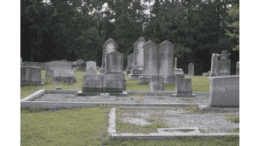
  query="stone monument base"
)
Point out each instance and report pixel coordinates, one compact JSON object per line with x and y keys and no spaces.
{"x":147,"y":79}
{"x":167,"y":79}
{"x":64,"y":80}
{"x":134,"y":77}
{"x":156,"y":86}
{"x":122,"y":94}
{"x":183,"y":95}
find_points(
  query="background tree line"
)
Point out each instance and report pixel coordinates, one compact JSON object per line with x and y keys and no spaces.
{"x":77,"y":29}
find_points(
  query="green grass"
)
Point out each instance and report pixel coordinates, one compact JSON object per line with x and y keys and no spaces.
{"x":185,"y":141}
{"x":80,"y":126}
{"x":233,"y":118}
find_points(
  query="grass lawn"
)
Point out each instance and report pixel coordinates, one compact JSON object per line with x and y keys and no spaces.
{"x":88,"y":126}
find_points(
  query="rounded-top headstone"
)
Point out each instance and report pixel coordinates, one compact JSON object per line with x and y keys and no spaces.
{"x":110,"y":46}
{"x":139,"y":53}
{"x":166,"y":54}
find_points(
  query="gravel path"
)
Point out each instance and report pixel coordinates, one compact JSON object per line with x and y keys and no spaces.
{"x":178,"y":117}
{"x":130,"y":99}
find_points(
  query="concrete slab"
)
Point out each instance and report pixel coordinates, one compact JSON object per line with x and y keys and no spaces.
{"x":112,"y":123}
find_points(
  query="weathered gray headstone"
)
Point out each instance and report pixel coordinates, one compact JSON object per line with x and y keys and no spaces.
{"x":129,"y":63}
{"x":191,"y":69}
{"x":91,"y":68}
{"x":114,"y":63}
{"x":64,"y":76}
{"x":178,"y":72}
{"x":224,"y":64}
{"x":138,"y":59}
{"x":166,"y":69}
{"x":183,"y":88}
{"x":31,"y":75}
{"x":214,"y":65}
{"x":113,"y":83}
{"x":109,"y":46}
{"x":79,"y":61}
{"x":156,"y":86}
{"x":151,"y":62}
{"x":224,"y":91}
{"x":92,"y":83}
{"x":56,"y":65}
{"x":237,"y":68}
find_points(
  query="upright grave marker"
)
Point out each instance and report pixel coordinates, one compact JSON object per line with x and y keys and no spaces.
{"x":56,"y":65}
{"x":183,"y":88}
{"x":166,"y":69}
{"x":224,"y":91}
{"x":224,"y":64}
{"x":114,"y":63}
{"x":151,"y":63}
{"x":31,"y":75}
{"x":237,"y":68}
{"x":64,"y":76}
{"x":109,"y":46}
{"x":191,"y":69}
{"x":138,"y":59}
{"x":91,"y":67}
{"x":129,"y":63}
{"x":214,"y":65}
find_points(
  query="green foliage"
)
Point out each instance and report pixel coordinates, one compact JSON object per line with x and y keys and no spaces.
{"x":233,"y":14}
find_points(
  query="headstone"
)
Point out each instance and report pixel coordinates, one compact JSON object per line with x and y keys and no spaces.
{"x":97,"y":68}
{"x":79,"y":61}
{"x":31,"y":75}
{"x":166,"y":68}
{"x":191,"y":69}
{"x":92,"y":83}
{"x":114,"y":63}
{"x":64,"y":76}
{"x":129,"y":63}
{"x":109,"y":46}
{"x":214,"y":65}
{"x":156,"y":86}
{"x":138,"y":59}
{"x":224,"y":64}
{"x":91,"y":68}
{"x":237,"y":68}
{"x":151,"y":62}
{"x":178,"y":72}
{"x":183,"y":88}
{"x":224,"y":91}
{"x":56,"y":65}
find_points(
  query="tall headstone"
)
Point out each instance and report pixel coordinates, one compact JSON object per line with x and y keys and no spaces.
{"x":191,"y":69}
{"x":138,"y":59}
{"x":178,"y":72}
{"x":214,"y":65}
{"x":56,"y":65}
{"x":151,"y":62}
{"x":129,"y":63}
{"x":183,"y":88}
{"x":91,"y":67}
{"x":109,"y":46}
{"x":237,"y":68}
{"x":224,"y":64}
{"x":114,"y":63}
{"x":31,"y":75}
{"x":166,"y":69}
{"x":224,"y":91}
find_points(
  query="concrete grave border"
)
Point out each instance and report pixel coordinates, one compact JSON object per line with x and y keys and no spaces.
{"x":156,"y":136}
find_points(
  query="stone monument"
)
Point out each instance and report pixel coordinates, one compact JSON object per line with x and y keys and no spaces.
{"x":156,"y":86}
{"x":166,"y":69}
{"x":237,"y":68}
{"x":151,"y":63}
{"x":224,"y":64}
{"x":138,"y":59}
{"x":224,"y":91}
{"x":191,"y":69}
{"x":31,"y":75}
{"x":214,"y":65}
{"x":183,"y":88}
{"x":91,"y":67}
{"x":64,"y":76}
{"x":178,"y":73}
{"x":56,"y":65}
{"x":129,"y":64}
{"x":114,"y":63}
{"x":109,"y":46}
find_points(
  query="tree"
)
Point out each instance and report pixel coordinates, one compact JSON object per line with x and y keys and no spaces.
{"x":233,"y":14}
